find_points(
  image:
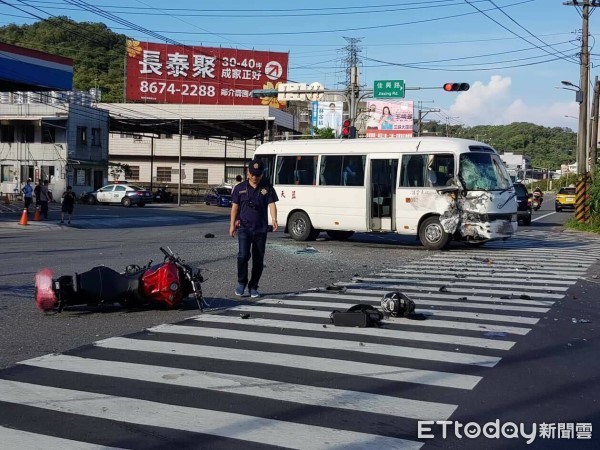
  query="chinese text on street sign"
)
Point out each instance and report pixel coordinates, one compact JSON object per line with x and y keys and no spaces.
{"x":388,"y":89}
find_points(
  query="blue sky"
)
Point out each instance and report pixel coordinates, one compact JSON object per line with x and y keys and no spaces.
{"x":526,"y":47}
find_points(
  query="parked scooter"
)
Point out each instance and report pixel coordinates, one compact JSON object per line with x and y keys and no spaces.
{"x":163,"y":196}
{"x":165,"y":284}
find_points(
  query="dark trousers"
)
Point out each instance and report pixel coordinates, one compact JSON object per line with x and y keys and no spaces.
{"x":27,"y":202}
{"x":250,"y":244}
{"x":44,"y":209}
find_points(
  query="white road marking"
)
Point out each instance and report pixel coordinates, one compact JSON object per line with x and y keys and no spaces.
{"x":332,"y":344}
{"x":434,"y":323}
{"x":250,"y":386}
{"x":447,"y":339}
{"x":217,"y":423}
{"x":337,"y":366}
{"x":17,"y":439}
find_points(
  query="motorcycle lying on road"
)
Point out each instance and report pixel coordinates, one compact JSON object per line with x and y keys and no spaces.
{"x":162,"y":285}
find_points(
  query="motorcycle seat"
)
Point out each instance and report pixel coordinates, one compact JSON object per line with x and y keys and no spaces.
{"x":104,"y":285}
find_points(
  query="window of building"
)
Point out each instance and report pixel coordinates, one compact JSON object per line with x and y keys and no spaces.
{"x":163,"y":174}
{"x":7,"y":173}
{"x":7,"y":133}
{"x":26,"y":172}
{"x":27,"y":133}
{"x":96,"y":137}
{"x":48,"y":134}
{"x":47,"y":173}
{"x":134,"y":172}
{"x":83,"y":177}
{"x":342,"y":170}
{"x":299,"y":170}
{"x":82,"y":136}
{"x":201,"y":176}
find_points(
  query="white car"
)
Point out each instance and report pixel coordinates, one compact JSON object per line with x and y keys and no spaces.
{"x":125,"y":194}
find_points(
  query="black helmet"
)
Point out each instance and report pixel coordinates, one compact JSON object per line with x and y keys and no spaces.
{"x":397,"y":304}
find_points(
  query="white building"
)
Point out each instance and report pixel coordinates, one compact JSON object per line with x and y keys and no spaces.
{"x":216,"y":144}
{"x":54,"y":136}
{"x":517,"y":165}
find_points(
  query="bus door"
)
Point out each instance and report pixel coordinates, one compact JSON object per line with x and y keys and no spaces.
{"x":382,"y":194}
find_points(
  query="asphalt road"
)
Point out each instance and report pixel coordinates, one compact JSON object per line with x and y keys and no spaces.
{"x":551,"y":374}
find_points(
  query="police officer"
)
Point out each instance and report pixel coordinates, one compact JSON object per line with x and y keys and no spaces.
{"x":251,"y":199}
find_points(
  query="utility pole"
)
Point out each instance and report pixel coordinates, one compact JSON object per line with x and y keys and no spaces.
{"x":584,"y":81}
{"x":594,"y":133}
{"x":352,"y":77}
{"x":422,"y":114}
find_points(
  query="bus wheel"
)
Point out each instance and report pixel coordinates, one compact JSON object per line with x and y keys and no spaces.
{"x":432,"y":234}
{"x":339,"y":235}
{"x":300,"y":228}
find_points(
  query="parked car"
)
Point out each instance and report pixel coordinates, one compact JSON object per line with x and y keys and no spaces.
{"x":565,"y":199}
{"x":524,"y":209}
{"x":219,"y":196}
{"x":125,"y":194}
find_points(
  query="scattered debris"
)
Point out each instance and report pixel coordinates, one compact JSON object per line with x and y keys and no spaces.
{"x":494,"y":334}
{"x":462,"y":298}
{"x":460,"y":276}
{"x":443,"y":289}
{"x":397,"y":304}
{"x":209,"y":235}
{"x":245,"y":315}
{"x":484,"y":260}
{"x":574,"y":320}
{"x":333,"y":287}
{"x":308,"y":249}
{"x":524,"y":297}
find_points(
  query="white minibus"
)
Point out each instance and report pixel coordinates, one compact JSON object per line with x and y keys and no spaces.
{"x":439,"y":189}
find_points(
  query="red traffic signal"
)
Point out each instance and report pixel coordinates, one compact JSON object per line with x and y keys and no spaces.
{"x":348,"y":131}
{"x":450,"y":87}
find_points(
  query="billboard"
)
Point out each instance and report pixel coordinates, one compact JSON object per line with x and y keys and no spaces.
{"x":164,"y":73}
{"x":328,"y":115}
{"x":387,"y":119}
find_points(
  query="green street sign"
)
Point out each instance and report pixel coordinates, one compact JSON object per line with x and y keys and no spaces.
{"x":388,"y":89}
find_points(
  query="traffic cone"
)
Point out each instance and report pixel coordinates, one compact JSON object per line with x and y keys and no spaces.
{"x":6,"y":200}
{"x":23,"y":220}
{"x":38,"y":214}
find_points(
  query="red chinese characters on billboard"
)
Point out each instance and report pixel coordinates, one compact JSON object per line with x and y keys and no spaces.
{"x":163,"y":73}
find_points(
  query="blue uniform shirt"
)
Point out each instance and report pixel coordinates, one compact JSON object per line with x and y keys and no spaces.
{"x":254,"y":204}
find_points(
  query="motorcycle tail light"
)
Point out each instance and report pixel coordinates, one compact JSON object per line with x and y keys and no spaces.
{"x":45,"y":298}
{"x":174,"y":287}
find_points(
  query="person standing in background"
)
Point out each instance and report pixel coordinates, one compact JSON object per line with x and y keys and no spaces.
{"x":68,"y":203}
{"x":27,"y":194}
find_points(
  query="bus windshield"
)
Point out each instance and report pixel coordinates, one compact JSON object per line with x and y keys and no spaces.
{"x":483,"y":172}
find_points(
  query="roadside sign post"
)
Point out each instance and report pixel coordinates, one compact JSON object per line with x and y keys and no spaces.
{"x":388,"y":89}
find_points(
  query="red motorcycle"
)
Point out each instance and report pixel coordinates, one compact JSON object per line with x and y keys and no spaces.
{"x":165,"y":284}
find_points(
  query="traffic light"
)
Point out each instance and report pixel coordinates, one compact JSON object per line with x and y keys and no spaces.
{"x":348,"y":131}
{"x":449,"y":87}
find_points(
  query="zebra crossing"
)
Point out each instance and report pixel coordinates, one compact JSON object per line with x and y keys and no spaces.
{"x":276,"y":372}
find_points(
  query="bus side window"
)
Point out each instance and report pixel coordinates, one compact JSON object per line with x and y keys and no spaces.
{"x":413,"y":168}
{"x":354,"y":171}
{"x":331,"y":171}
{"x":305,"y":170}
{"x":284,"y":173}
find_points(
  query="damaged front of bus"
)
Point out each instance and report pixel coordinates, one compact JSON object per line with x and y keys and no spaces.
{"x":484,"y":207}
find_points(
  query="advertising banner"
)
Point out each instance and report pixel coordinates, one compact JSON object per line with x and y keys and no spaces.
{"x":328,"y":115}
{"x":164,"y":73}
{"x":387,"y":119}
